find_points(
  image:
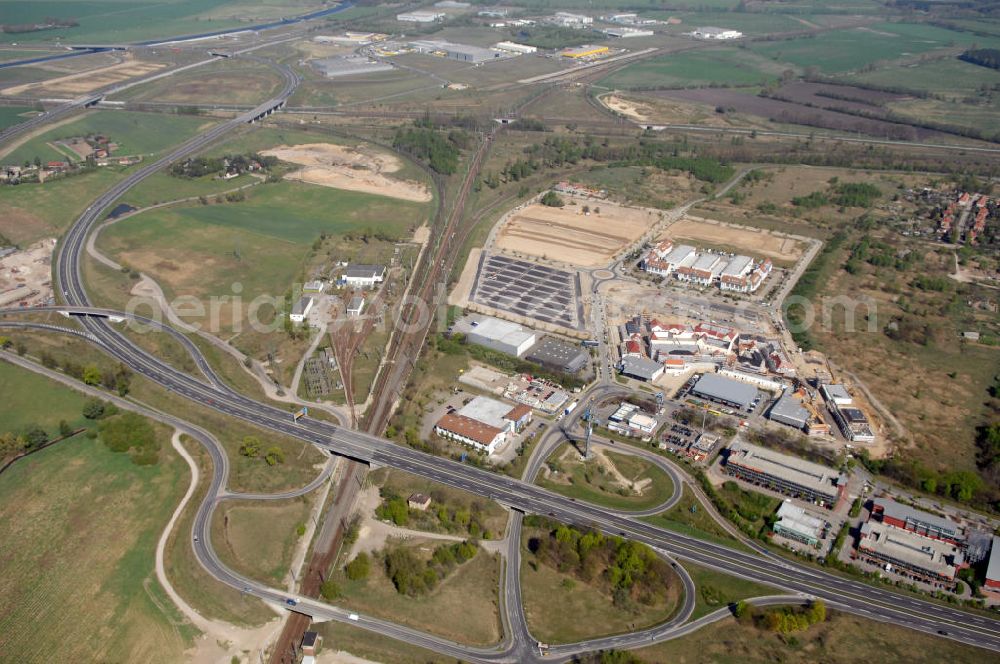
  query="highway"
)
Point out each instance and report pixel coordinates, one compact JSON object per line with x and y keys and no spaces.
{"x":873,"y":602}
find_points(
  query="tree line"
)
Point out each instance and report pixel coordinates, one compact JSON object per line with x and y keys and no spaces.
{"x":984,"y":57}
{"x":558,"y":151}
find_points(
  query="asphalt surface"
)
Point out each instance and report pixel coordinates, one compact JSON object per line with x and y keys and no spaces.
{"x":846,"y":594}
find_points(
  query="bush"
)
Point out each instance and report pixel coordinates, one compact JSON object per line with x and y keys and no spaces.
{"x":330,"y":590}
{"x":394,"y":509}
{"x":250,"y":447}
{"x":552,"y":199}
{"x":359,"y":568}
{"x":93,"y":409}
{"x":274,"y":456}
{"x":132,"y":433}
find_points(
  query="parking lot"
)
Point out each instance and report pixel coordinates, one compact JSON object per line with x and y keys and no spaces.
{"x":546,"y":294}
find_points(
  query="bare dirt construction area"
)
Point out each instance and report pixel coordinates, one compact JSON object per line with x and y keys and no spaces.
{"x":26,"y":276}
{"x":570,"y":235}
{"x":632,"y":109}
{"x":355,"y":169}
{"x":75,"y":84}
{"x":654,"y":109}
{"x":715,"y":235}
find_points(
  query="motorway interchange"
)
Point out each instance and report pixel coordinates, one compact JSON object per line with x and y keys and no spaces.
{"x":801,"y":582}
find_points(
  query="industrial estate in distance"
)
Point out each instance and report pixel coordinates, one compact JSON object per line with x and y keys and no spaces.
{"x":349,"y":332}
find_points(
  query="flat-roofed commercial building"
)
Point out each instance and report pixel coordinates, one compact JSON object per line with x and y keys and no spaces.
{"x":789,"y":410}
{"x":992,"y":583}
{"x":499,"y":335}
{"x":726,"y":391}
{"x":364,"y":276}
{"x":626,"y":33}
{"x":716,"y":33}
{"x":559,"y":355}
{"x":787,"y":474}
{"x":349,"y":65}
{"x":797,"y":524}
{"x":463,"y":52}
{"x":504,"y":336}
{"x":514,"y":47}
{"x":908,"y":553}
{"x":642,"y":368}
{"x":923,"y":523}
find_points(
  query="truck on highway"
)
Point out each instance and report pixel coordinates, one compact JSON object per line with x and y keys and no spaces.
{"x":353,"y":616}
{"x":570,"y":408}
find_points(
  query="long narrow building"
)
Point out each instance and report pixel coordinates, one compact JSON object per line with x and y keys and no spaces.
{"x":789,"y":475}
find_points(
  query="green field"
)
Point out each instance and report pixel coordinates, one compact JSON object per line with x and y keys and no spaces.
{"x":163,"y":187}
{"x":78,"y":529}
{"x":715,"y":590}
{"x":849,"y":50}
{"x":203,"y":250}
{"x":116,"y":21}
{"x":722,"y":66}
{"x":588,"y":483}
{"x":135,"y":133}
{"x":258,"y":538}
{"x":30,"y":212}
{"x":12,"y":115}
{"x":298,"y":213}
{"x":946,"y":76}
{"x":697,"y":522}
{"x":29,"y":399}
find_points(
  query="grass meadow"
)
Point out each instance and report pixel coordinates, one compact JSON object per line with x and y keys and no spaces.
{"x":78,"y":529}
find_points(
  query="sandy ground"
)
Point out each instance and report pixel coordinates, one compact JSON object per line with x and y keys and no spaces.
{"x":568,"y":235}
{"x":26,"y":276}
{"x":76,"y":84}
{"x":355,"y":169}
{"x":757,"y":242}
{"x":632,"y":109}
{"x":460,"y":293}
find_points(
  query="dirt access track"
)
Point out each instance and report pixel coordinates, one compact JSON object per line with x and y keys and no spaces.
{"x":570,"y":236}
{"x":716,"y":235}
{"x":355,"y":169}
{"x":83,"y":82}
